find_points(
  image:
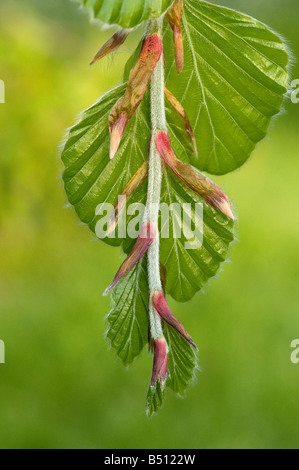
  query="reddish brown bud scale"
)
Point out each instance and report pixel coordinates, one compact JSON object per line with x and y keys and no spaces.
{"x":147,"y":235}
{"x":139,"y":177}
{"x":174,"y":16}
{"x":111,"y":45}
{"x":116,"y":132}
{"x":208,"y":190}
{"x":178,"y":48}
{"x":179,"y":108}
{"x":139,"y":77}
{"x":163,"y":309}
{"x":160,"y":367}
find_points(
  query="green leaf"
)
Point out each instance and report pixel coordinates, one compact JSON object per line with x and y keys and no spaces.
{"x":182,"y":364}
{"x":126,"y":13}
{"x":155,"y":399}
{"x":128,"y":319}
{"x":182,"y":361}
{"x":91,"y":179}
{"x":188,"y":270}
{"x":233,"y":82}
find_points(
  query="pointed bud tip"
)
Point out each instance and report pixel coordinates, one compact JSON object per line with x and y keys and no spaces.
{"x":163,"y":309}
{"x":225,"y":208}
{"x":193,"y":344}
{"x":111,"y":229}
{"x":111,"y":45}
{"x":108,"y":289}
{"x":94,"y":60}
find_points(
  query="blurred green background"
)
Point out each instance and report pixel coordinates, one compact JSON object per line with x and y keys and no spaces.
{"x":61,"y":387}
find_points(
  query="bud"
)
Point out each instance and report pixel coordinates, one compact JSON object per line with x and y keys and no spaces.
{"x":112,"y":44}
{"x":163,"y":309}
{"x":139,"y":77}
{"x":147,"y":235}
{"x":174,"y":16}
{"x":160,"y":367}
{"x":133,"y":184}
{"x":208,"y":190}
{"x":116,"y":133}
{"x":179,"y":108}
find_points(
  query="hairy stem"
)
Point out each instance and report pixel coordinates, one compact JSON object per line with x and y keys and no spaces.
{"x":158,"y":120}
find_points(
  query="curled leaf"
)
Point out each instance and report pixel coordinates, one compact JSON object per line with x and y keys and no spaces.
{"x":139,"y":77}
{"x":111,"y":45}
{"x":174,"y":16}
{"x":163,"y":309}
{"x":208,"y":190}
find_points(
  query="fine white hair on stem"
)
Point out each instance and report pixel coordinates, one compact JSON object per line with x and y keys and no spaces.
{"x":158,"y":120}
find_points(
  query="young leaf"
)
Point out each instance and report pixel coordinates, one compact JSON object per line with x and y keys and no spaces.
{"x":126,"y":13}
{"x":155,"y":399}
{"x":90,"y":177}
{"x":233,"y":79}
{"x":233,"y":82}
{"x":182,"y":362}
{"x":188,"y":270}
{"x":182,"y":365}
{"x":128,"y":318}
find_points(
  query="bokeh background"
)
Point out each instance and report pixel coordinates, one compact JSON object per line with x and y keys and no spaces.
{"x":61,"y":387}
